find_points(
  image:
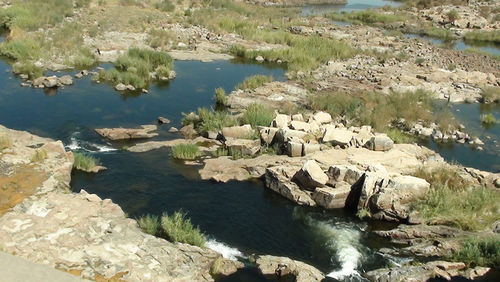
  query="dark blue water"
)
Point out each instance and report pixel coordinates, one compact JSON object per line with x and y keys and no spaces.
{"x":352,"y":5}
{"x":460,"y":45}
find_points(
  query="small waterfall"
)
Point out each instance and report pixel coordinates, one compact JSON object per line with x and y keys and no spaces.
{"x":77,"y":144}
{"x":225,"y":250}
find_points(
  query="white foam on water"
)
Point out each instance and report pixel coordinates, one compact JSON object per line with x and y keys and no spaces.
{"x":223,"y":249}
{"x":76,"y":144}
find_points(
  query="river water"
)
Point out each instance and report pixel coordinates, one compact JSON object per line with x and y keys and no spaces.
{"x":350,"y":6}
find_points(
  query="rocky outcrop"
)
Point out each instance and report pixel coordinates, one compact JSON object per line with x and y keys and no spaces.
{"x":128,"y":133}
{"x":52,"y":81}
{"x":310,"y":176}
{"x":285,"y":269}
{"x":209,"y":144}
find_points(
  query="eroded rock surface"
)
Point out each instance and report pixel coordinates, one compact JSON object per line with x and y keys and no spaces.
{"x":285,"y":269}
{"x":128,"y":133}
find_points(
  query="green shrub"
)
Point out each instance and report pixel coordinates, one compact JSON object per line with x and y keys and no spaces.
{"x":35,"y":14}
{"x":480,"y":252}
{"x":258,"y":115}
{"x":453,"y":15}
{"x":254,"y":81}
{"x":367,"y":17}
{"x":400,"y":137}
{"x":84,"y":162}
{"x":39,"y":156}
{"x":208,"y":120}
{"x":488,"y":119}
{"x":150,"y":224}
{"x":185,"y":151}
{"x":454,"y":201}
{"x":178,"y":228}
{"x":220,"y":97}
{"x":490,"y":94}
{"x":21,"y":49}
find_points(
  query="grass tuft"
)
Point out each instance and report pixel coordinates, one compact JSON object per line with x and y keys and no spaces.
{"x":84,"y":162}
{"x":178,"y":228}
{"x":150,"y":224}
{"x":490,"y":94}
{"x":220,"y":97}
{"x":400,"y":137}
{"x":480,"y":252}
{"x":254,"y":81}
{"x":185,"y":151}
{"x":488,"y":119}
{"x":39,"y":156}
{"x":258,"y":115}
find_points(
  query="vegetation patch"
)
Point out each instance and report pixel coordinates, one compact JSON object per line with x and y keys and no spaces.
{"x":35,"y":14}
{"x":150,"y":224}
{"x":488,"y":119}
{"x":454,"y":201}
{"x":39,"y":156}
{"x":490,"y":94}
{"x":367,"y":17}
{"x":136,"y":66}
{"x":479,"y":251}
{"x":220,"y":97}
{"x":482,"y":35}
{"x":5,"y":142}
{"x":207,"y":120}
{"x":84,"y":162}
{"x":400,"y":137}
{"x":258,"y":115}
{"x":254,"y":81}
{"x":178,"y":228}
{"x":185,"y":151}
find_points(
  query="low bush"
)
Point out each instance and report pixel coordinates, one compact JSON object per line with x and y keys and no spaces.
{"x":159,"y":38}
{"x":178,"y":228}
{"x":400,"y":137}
{"x":488,"y":119}
{"x":208,"y":120}
{"x":254,"y":81}
{"x":35,"y":14}
{"x":185,"y":151}
{"x":490,"y":94}
{"x":84,"y":162}
{"x":150,"y":224}
{"x":367,"y":17}
{"x":258,"y":115}
{"x":480,"y":252}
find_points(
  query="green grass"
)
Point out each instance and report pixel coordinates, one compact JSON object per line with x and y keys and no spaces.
{"x":400,"y":137}
{"x":488,"y":119}
{"x":27,"y":68}
{"x":150,"y":224}
{"x":21,"y":49}
{"x":437,"y":32}
{"x":454,"y":201}
{"x":185,"y":151}
{"x":491,"y":94}
{"x":252,"y":82}
{"x":84,"y":162}
{"x":209,"y":120}
{"x":487,"y":36}
{"x":220,"y":97}
{"x":134,"y":68}
{"x":34,"y":14}
{"x":39,"y":156}
{"x":178,"y":228}
{"x":5,"y":142}
{"x":165,"y":6}
{"x":258,"y":115}
{"x":480,"y":252}
{"x":367,"y":17}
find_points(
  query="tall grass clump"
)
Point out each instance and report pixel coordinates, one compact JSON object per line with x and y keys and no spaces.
{"x":84,"y":162}
{"x":454,"y":201}
{"x":490,"y":94}
{"x":178,"y":228}
{"x":480,"y":252}
{"x":258,"y":115}
{"x":136,"y":66}
{"x":220,"y":97}
{"x":209,"y":120}
{"x":150,"y":224}
{"x":35,"y":14}
{"x":453,"y":15}
{"x":252,"y":82}
{"x":400,"y":137}
{"x":21,"y":49}
{"x":488,"y":119}
{"x":185,"y":151}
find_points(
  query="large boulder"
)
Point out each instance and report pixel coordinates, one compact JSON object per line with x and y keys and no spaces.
{"x":294,"y":148}
{"x":284,"y":135}
{"x":337,"y":136}
{"x":267,"y":134}
{"x":65,"y":80}
{"x":332,"y":198}
{"x":245,"y":146}
{"x":286,"y":269}
{"x":238,"y":132}
{"x":278,"y":179}
{"x":310,"y":176}
{"x":300,"y":125}
{"x":281,"y":121}
{"x":380,"y":143}
{"x":322,"y":117}
{"x":128,"y":133}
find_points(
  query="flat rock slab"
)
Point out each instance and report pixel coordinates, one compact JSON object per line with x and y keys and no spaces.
{"x":128,"y":133}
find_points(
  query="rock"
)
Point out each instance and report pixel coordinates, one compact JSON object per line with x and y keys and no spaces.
{"x":278,"y":179}
{"x":237,"y":132}
{"x":284,"y":135}
{"x":380,"y":143}
{"x":173,"y":130}
{"x":332,"y":198}
{"x":309,"y":148}
{"x":121,"y":87}
{"x":245,"y":146}
{"x":46,"y":82}
{"x":188,"y":131}
{"x":65,"y":80}
{"x":211,"y":135}
{"x":496,"y":182}
{"x":340,"y":173}
{"x":310,"y":176}
{"x":300,"y":125}
{"x":294,"y":148}
{"x":127,"y":133}
{"x":267,"y":135}
{"x":281,"y":121}
{"x":322,"y":117}
{"x":297,"y":117}
{"x":259,"y":59}
{"x":162,"y":120}
{"x":282,"y":268}
{"x":337,"y":136}
{"x":226,"y":267}
{"x":130,"y":87}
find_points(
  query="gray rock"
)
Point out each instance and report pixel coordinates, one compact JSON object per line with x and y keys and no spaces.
{"x":310,"y":176}
{"x":127,"y":133}
{"x":300,"y":125}
{"x":245,"y":146}
{"x":309,"y":148}
{"x":65,"y":80}
{"x":322,"y":117}
{"x":259,"y":59}
{"x":337,"y":136}
{"x":173,"y":130}
{"x":380,"y":143}
{"x":238,"y":132}
{"x":280,"y":268}
{"x":267,"y":134}
{"x":281,"y":121}
{"x":294,"y":148}
{"x":278,"y":179}
{"x":332,"y":198}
